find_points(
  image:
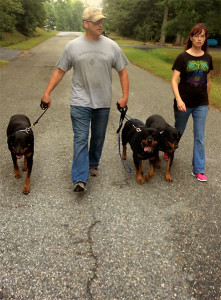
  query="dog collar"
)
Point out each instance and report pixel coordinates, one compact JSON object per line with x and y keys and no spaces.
{"x":26,"y":130}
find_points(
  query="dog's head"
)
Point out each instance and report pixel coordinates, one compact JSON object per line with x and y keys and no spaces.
{"x":171,"y":137}
{"x":149,"y":139}
{"x":21,"y":142}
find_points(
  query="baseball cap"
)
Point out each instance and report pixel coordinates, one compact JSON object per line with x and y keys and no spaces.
{"x":92,"y":14}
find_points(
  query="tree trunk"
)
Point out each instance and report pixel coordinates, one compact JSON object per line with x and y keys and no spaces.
{"x":165,"y":17}
{"x":178,"y":39}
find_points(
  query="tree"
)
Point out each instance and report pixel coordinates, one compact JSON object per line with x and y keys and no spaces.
{"x":161,"y":19}
{"x":50,"y":15}
{"x":128,"y":17}
{"x":10,"y":11}
{"x":34,"y":15}
{"x":165,"y":18}
{"x":190,"y":12}
{"x":64,"y":15}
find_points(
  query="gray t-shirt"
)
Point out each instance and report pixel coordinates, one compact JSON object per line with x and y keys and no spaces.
{"x":92,"y":63}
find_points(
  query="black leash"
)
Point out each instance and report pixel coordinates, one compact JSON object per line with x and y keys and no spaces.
{"x":28,"y":129}
{"x":36,"y":122}
{"x":122,"y":116}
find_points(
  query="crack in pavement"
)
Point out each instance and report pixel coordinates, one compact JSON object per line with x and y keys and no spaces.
{"x":95,"y":267}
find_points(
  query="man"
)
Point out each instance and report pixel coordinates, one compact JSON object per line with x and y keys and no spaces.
{"x":92,"y":57}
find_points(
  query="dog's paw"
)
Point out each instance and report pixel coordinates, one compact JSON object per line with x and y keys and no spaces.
{"x":169,"y":178}
{"x":140,"y":180}
{"x":26,"y":190}
{"x":148,"y":177}
{"x":17,"y":174}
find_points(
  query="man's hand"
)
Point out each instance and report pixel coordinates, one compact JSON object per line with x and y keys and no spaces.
{"x":45,"y":102}
{"x":122,"y":103}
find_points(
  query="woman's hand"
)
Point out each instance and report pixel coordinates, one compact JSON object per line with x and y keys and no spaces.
{"x":181,"y":105}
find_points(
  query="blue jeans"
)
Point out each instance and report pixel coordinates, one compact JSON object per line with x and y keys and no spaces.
{"x":83,"y":159}
{"x":199,"y":115}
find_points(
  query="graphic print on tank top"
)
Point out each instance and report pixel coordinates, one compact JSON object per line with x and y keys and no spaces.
{"x":197,"y":72}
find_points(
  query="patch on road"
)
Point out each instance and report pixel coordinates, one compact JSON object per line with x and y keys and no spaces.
{"x":9,"y":54}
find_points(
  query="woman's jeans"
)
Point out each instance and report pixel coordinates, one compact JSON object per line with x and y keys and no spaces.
{"x":83,"y":158}
{"x":199,"y":115}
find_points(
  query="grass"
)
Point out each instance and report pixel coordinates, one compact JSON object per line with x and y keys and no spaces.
{"x":3,"y":63}
{"x":18,"y":41}
{"x":159,"y":62}
{"x":40,"y":36}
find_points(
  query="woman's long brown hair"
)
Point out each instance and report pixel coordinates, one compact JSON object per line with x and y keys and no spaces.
{"x":197,"y":29}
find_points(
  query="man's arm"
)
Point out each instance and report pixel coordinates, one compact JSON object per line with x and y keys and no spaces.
{"x":125,"y":87}
{"x":53,"y":82}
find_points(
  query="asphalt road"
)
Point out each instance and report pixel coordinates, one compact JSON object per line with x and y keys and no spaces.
{"x":119,"y":240}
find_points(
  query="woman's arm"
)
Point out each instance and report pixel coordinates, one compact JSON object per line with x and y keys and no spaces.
{"x":175,"y":79}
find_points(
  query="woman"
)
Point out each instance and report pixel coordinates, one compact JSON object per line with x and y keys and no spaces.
{"x":192,"y":92}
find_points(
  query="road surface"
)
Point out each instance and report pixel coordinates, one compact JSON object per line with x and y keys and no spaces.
{"x":119,"y":240}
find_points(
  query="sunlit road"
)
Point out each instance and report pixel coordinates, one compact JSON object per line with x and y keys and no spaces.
{"x":119,"y":240}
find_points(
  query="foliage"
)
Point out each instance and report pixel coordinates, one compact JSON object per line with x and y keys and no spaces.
{"x":143,"y":19}
{"x":134,"y":18}
{"x":190,"y":12}
{"x":34,"y":15}
{"x":8,"y":38}
{"x":64,"y":15}
{"x":9,"y":13}
{"x":26,"y":15}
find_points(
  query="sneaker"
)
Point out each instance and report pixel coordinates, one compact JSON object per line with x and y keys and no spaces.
{"x":200,"y":176}
{"x":94,"y":172}
{"x":165,"y":156}
{"x":80,"y":187}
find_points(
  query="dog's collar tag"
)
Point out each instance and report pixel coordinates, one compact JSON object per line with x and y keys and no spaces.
{"x":138,"y":129}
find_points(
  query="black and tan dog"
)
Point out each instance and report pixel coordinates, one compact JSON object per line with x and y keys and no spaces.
{"x":21,"y":143}
{"x":169,"y":139}
{"x":144,"y":144}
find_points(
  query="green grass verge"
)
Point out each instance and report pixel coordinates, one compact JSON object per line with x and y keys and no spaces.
{"x":159,"y":62}
{"x":40,"y":36}
{"x":18,"y":41}
{"x":3,"y":63}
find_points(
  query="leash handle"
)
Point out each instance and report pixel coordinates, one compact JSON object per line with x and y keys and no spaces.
{"x":122,"y":116}
{"x":122,"y":109}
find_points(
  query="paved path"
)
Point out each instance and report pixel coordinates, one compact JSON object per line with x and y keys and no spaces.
{"x":119,"y":240}
{"x":9,"y":54}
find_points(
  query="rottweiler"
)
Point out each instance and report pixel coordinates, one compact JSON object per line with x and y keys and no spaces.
{"x":20,"y":139}
{"x":169,"y":140}
{"x":144,"y":144}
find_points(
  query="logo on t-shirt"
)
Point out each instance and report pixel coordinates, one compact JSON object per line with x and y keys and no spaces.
{"x":197,"y":72}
